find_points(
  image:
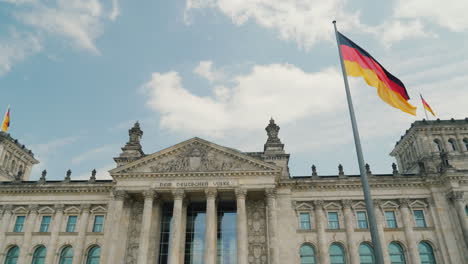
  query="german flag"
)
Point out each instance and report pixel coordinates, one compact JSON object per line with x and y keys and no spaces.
{"x":360,"y":63}
{"x":6,"y":121}
{"x":426,"y":105}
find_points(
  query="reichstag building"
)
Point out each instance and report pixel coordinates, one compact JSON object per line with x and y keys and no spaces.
{"x":201,"y":203}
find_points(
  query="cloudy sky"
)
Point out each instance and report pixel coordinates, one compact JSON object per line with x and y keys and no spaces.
{"x":79,"y":73}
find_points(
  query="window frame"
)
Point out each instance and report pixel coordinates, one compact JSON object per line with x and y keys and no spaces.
{"x":68,"y":223}
{"x":91,"y":250}
{"x":343,"y":251}
{"x":7,"y":254}
{"x":337,"y":220}
{"x":423,"y":218}
{"x":432,"y":252}
{"x":372,"y":255}
{"x":358,"y":221}
{"x":453,"y":144}
{"x":42,"y":223}
{"x":313,"y":250}
{"x":22,"y":224}
{"x":101,"y":225}
{"x":394,"y":218}
{"x":309,"y":222}
{"x":62,"y":256}
{"x":402,"y":252}
{"x":35,"y":258}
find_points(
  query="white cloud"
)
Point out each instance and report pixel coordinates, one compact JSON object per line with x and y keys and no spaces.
{"x":115,"y":10}
{"x":397,"y":30}
{"x":93,"y":153}
{"x":280,"y":90}
{"x":205,"y":70}
{"x":77,"y":20}
{"x":305,"y":22}
{"x":101,"y":173}
{"x":16,"y":48}
{"x":450,"y":14}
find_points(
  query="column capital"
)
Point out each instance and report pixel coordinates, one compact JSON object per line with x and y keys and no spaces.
{"x":347,"y":203}
{"x":240,"y":193}
{"x":377,"y":203}
{"x":33,"y":208}
{"x":178,"y":194}
{"x":150,"y":194}
{"x":211,"y":193}
{"x":59,"y":207}
{"x":404,"y":202}
{"x":85,"y":208}
{"x":456,"y":196}
{"x":8,"y":208}
{"x":318,"y":204}
{"x":119,"y":195}
{"x":270,"y":193}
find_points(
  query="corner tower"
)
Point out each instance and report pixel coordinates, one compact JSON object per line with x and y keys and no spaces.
{"x":16,"y":161}
{"x":433,"y":146}
{"x":132,"y":150}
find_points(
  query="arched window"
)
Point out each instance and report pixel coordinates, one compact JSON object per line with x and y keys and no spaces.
{"x":397,"y":255}
{"x":5,"y":160}
{"x":337,"y":254}
{"x":12,"y":255}
{"x":39,"y":255}
{"x":12,"y":165}
{"x":94,"y":254}
{"x":66,"y":256}
{"x":307,"y":254}
{"x":366,"y":254}
{"x":452,"y":144}
{"x":465,"y":141}
{"x":426,"y":253}
{"x":437,"y":145}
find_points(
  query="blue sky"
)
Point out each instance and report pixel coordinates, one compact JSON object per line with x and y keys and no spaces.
{"x":78,"y":73}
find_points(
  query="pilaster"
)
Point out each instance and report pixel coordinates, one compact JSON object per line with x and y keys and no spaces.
{"x":81,"y":240}
{"x":28,"y":229}
{"x":56,"y":224}
{"x":115,"y":245}
{"x":270,"y":194}
{"x":322,"y":243}
{"x":408,"y":227}
{"x":349,"y":227}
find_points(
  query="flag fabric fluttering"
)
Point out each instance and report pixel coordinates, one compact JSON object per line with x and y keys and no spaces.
{"x":359,"y":62}
{"x":6,"y":121}
{"x":427,"y":106}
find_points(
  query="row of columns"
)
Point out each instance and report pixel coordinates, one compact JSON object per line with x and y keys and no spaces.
{"x":177,"y":235}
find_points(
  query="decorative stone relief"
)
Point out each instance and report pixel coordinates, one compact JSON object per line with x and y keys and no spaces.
{"x":258,"y":252}
{"x":136,"y":214}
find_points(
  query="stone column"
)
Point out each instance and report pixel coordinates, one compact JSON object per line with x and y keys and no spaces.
{"x":4,"y":224}
{"x":176,"y":226}
{"x":380,"y":229}
{"x":408,"y":227}
{"x":28,"y":229}
{"x":54,"y":232}
{"x":272,"y":225}
{"x":459,"y":202}
{"x":82,"y":229}
{"x":210,"y":227}
{"x":322,"y":243}
{"x":242,"y":238}
{"x":349,"y":226}
{"x":183,"y":237}
{"x":145,"y":233}
{"x":119,"y":198}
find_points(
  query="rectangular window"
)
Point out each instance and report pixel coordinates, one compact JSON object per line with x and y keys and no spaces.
{"x":419,"y":218}
{"x":71,"y":223}
{"x":362,"y":220}
{"x":333,"y":222}
{"x":304,"y":221}
{"x":45,"y":224}
{"x":391,"y":219}
{"x":19,"y":224}
{"x":98,"y":223}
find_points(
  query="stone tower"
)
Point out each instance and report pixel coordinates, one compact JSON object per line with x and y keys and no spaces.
{"x":16,"y":161}
{"x":132,"y":150}
{"x":433,"y":146}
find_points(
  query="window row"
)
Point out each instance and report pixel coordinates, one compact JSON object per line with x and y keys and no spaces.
{"x":70,"y":227}
{"x":361,"y":219}
{"x":337,"y":254}
{"x":452,"y":145}
{"x":65,"y":257}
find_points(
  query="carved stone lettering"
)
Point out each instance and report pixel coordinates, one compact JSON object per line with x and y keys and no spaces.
{"x":258,"y":252}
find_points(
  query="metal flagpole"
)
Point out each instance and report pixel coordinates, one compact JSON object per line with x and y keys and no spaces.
{"x":365,"y":184}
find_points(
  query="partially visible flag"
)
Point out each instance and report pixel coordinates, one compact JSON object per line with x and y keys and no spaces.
{"x":6,"y":121}
{"x":426,"y":105}
{"x":360,"y":63}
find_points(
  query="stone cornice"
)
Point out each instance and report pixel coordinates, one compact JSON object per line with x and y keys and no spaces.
{"x":55,"y":188}
{"x":180,"y":175}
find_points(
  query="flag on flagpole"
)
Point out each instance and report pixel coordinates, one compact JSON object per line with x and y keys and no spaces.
{"x":6,"y":121}
{"x":427,"y":106}
{"x":359,"y":62}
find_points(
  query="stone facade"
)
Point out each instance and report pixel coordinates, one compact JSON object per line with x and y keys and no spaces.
{"x":278,"y":217}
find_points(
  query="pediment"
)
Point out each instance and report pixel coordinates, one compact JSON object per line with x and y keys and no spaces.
{"x":418,"y":204}
{"x":390,"y":204}
{"x":359,"y":205}
{"x":46,"y":210}
{"x":195,"y":155}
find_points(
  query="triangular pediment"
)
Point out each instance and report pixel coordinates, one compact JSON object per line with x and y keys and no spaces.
{"x":195,"y":155}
